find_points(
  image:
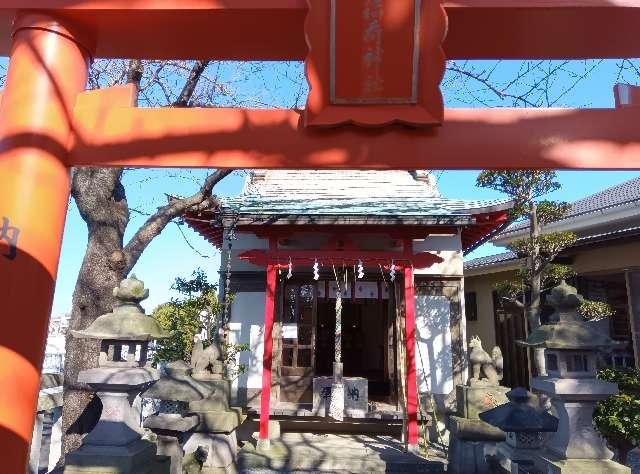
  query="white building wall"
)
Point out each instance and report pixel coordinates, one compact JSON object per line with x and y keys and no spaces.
{"x":434,"y":361}
{"x":448,"y":247}
{"x":248,"y":241}
{"x":247,"y":327}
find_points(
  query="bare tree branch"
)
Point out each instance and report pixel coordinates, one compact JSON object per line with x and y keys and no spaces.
{"x":486,"y":83}
{"x":190,"y":85}
{"x":200,"y":201}
{"x":514,"y":301}
{"x":135,"y":71}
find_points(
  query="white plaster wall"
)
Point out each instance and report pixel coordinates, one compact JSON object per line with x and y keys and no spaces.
{"x":244,"y":242}
{"x":433,"y":344}
{"x":247,"y":327}
{"x":448,"y":247}
{"x":248,"y":241}
{"x":238,"y":265}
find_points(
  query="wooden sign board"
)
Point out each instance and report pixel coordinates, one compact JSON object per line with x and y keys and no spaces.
{"x":375,"y":62}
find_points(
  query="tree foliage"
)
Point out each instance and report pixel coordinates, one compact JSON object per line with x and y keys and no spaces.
{"x":595,"y":310}
{"x":523,"y":186}
{"x":617,"y":418}
{"x":539,"y":248}
{"x":184,"y":324}
{"x":526,"y":188}
{"x":196,"y":309}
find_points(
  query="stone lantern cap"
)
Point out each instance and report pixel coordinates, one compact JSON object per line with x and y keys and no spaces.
{"x":568,"y":330}
{"x":521,"y":415}
{"x":176,"y":384}
{"x":127,"y":321}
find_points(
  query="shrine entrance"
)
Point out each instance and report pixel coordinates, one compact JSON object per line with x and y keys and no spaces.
{"x":369,"y":336}
{"x":368,"y":343}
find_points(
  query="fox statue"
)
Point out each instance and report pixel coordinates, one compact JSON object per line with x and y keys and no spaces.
{"x":491,"y":366}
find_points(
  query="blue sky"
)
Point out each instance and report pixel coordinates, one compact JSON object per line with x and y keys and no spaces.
{"x":178,"y":251}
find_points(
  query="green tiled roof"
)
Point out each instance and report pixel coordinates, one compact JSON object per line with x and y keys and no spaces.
{"x":348,"y":193}
{"x":351,"y":206}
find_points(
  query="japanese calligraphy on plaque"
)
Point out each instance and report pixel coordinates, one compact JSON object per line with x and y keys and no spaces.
{"x":375,"y":62}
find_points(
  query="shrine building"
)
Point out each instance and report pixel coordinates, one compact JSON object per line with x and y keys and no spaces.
{"x":389,"y":239}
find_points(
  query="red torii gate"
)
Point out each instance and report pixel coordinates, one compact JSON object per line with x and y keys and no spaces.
{"x":47,"y":122}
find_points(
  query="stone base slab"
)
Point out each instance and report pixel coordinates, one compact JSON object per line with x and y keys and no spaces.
{"x":215,"y":470}
{"x":574,"y":389}
{"x":222,"y":448}
{"x":551,"y":465}
{"x":137,"y":458}
{"x":515,"y":460}
{"x":171,"y":422}
{"x":467,"y":457}
{"x":307,"y":452}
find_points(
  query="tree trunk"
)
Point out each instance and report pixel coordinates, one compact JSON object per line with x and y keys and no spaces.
{"x":533,"y":308}
{"x":102,"y":203}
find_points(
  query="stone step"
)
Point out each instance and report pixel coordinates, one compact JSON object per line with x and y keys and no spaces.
{"x":333,"y":453}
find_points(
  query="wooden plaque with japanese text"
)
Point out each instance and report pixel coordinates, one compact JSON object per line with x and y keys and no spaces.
{"x":375,"y":62}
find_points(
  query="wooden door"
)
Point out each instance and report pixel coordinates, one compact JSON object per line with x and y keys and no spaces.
{"x":298,"y":342}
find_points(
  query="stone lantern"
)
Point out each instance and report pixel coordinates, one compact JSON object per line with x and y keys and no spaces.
{"x":115,"y":444}
{"x":525,"y":424}
{"x":175,"y":389}
{"x":571,"y":348}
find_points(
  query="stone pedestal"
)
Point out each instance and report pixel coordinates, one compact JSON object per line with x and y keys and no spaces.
{"x":469,"y":437}
{"x":222,"y":447}
{"x":520,"y":451}
{"x":138,"y":457}
{"x":356,"y":396}
{"x":216,"y":428}
{"x":468,"y":440}
{"x":115,"y":446}
{"x":36,"y":444}
{"x":170,"y":430}
{"x":44,"y":451}
{"x":576,"y":446}
{"x":471,"y":400}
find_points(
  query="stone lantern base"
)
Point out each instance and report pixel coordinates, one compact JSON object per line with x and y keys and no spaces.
{"x":550,"y":464}
{"x":216,"y":428}
{"x":138,"y":457}
{"x":519,"y":451}
{"x":576,"y":447}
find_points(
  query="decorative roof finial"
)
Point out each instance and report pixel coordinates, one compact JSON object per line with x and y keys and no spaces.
{"x":130,"y":290}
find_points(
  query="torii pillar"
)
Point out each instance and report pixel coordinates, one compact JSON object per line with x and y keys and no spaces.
{"x":48,"y":68}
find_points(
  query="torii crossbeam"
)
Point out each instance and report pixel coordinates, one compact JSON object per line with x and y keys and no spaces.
{"x":47,"y":122}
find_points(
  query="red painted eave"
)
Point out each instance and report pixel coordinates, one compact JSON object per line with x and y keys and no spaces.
{"x":274,"y":29}
{"x":487,"y":225}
